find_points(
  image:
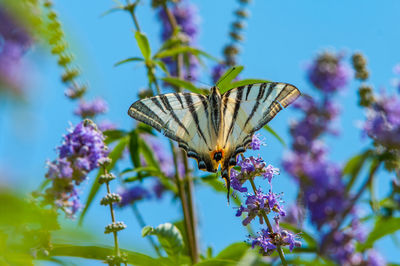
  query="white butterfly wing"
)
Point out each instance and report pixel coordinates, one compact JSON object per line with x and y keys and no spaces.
{"x":182,"y":117}
{"x":248,"y":108}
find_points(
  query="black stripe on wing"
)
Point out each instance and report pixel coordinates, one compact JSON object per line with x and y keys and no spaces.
{"x":239,"y":95}
{"x":192,"y":110}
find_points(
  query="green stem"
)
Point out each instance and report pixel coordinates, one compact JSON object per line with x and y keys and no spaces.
{"x":117,"y":253}
{"x":271,"y":230}
{"x":188,"y":181}
{"x":142,"y":224}
{"x":182,"y":197}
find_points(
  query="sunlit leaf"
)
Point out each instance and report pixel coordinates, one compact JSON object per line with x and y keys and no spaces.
{"x":276,"y":135}
{"x":245,"y":82}
{"x":354,"y":166}
{"x":113,"y":135}
{"x":169,"y":237}
{"x":234,"y":251}
{"x":181,"y":50}
{"x":143,"y":44}
{"x":217,"y":262}
{"x":100,"y":253}
{"x":226,"y":79}
{"x":131,"y":59}
{"x":162,"y":65}
{"x":383,"y":226}
{"x":183,"y":84}
{"x":115,"y":154}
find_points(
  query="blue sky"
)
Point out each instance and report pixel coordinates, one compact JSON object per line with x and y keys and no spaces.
{"x":282,"y":36}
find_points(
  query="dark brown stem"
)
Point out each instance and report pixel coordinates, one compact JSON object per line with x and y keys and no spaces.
{"x":182,"y":197}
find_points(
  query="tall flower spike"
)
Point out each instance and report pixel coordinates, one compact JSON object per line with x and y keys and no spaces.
{"x":81,"y":152}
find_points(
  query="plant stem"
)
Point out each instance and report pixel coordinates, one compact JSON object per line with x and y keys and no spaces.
{"x":188,"y":181}
{"x":117,"y":253}
{"x":182,"y":197}
{"x":142,"y":224}
{"x":271,"y":230}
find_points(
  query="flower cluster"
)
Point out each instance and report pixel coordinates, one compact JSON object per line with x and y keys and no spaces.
{"x":188,"y":20}
{"x":261,"y":204}
{"x":91,"y":109}
{"x":268,"y":241}
{"x":14,"y":42}
{"x":130,"y":195}
{"x":258,"y":204}
{"x":81,"y":151}
{"x":383,"y":121}
{"x":328,"y":72}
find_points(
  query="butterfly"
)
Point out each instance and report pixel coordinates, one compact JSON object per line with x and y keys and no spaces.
{"x":215,"y":129}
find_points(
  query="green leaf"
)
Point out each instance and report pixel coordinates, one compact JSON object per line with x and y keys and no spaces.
{"x":134,"y":148}
{"x":273,"y":133}
{"x":131,"y":59}
{"x":217,"y":262}
{"x":184,"y":84}
{"x":162,"y":65}
{"x":99,"y":253}
{"x":227,"y":77}
{"x":143,"y":44}
{"x":181,"y":50}
{"x":169,"y":237}
{"x":115,"y":154}
{"x":113,"y":135}
{"x":245,"y":82}
{"x":148,"y":154}
{"x":383,"y":227}
{"x":354,"y":166}
{"x":234,"y":251}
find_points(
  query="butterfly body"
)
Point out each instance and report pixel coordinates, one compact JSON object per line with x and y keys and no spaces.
{"x":215,"y":129}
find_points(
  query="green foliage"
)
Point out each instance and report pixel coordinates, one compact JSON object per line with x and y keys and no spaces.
{"x":183,"y":84}
{"x":100,"y":253}
{"x":130,"y":59}
{"x":225,"y":80}
{"x":115,"y":154}
{"x":383,"y":226}
{"x":143,"y":44}
{"x":354,"y":165}
{"x":276,"y":135}
{"x":169,"y":237}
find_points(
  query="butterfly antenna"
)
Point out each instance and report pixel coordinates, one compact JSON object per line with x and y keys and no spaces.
{"x":226,"y":75}
{"x":191,"y":78}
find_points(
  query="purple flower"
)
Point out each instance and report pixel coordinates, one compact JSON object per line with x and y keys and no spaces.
{"x":218,"y":71}
{"x":80,"y":153}
{"x":270,"y":172}
{"x":130,"y":195}
{"x":91,"y":109}
{"x":256,"y":142}
{"x":383,"y":121}
{"x":375,"y":258}
{"x":14,"y":42}
{"x":328,"y":73}
{"x":105,"y":125}
{"x":268,"y":241}
{"x":258,"y":203}
{"x":186,"y":17}
{"x":237,"y":181}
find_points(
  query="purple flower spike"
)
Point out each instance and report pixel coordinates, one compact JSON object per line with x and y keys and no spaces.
{"x":81,"y":151}
{"x":328,"y":73}
{"x":256,"y":142}
{"x":129,"y":196}
{"x":91,"y":109}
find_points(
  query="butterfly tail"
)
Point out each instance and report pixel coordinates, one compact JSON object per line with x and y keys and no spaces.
{"x":226,"y":177}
